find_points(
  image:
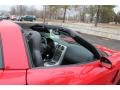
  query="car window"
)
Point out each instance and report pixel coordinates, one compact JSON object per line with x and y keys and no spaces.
{"x":1,"y":56}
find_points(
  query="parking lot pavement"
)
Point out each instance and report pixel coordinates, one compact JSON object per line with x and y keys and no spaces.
{"x":110,"y":43}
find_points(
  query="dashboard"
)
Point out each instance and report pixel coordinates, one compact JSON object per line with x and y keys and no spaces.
{"x":57,"y":57}
{"x":68,"y":53}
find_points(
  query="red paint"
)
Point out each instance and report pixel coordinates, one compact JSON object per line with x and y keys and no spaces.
{"x":91,"y":73}
{"x":13,"y":77}
{"x":107,"y":50}
{"x":15,"y":56}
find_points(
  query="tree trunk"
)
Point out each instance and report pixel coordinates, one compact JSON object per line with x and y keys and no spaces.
{"x":64,"y":15}
{"x":116,"y":19}
{"x":50,"y":16}
{"x":91,"y":17}
{"x":97,"y":16}
{"x":55,"y":15}
{"x":44,"y":14}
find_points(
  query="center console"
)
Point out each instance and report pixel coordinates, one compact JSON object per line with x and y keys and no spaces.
{"x":57,"y":57}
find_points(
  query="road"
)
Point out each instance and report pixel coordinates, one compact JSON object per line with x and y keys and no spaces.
{"x":110,"y":43}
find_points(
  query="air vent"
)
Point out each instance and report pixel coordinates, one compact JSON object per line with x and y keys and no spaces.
{"x":62,"y":48}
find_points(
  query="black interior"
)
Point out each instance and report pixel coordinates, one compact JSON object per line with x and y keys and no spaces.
{"x":44,"y":50}
{"x":34,"y":43}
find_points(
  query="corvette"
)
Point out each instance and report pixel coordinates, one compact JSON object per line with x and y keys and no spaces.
{"x":48,"y":54}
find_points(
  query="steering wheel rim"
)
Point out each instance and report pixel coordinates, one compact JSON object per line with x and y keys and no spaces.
{"x":44,"y":40}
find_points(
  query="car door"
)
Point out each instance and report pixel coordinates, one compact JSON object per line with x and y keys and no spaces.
{"x":13,"y":56}
{"x":13,"y":77}
{"x":10,"y":76}
{"x":90,"y":73}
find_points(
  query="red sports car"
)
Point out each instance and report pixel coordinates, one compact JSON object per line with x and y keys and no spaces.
{"x":47,"y":54}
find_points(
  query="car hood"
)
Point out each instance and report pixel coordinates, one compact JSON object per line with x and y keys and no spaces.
{"x":106,"y":50}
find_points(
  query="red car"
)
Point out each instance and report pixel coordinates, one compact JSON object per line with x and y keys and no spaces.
{"x":53,"y":55}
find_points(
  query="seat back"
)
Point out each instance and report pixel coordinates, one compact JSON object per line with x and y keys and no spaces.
{"x":34,"y":44}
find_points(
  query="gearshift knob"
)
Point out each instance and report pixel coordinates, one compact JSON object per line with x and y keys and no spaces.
{"x":47,"y":56}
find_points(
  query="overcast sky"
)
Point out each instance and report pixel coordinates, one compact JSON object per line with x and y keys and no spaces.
{"x":7,"y":7}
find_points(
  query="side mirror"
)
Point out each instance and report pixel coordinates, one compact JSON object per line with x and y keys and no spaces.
{"x":104,"y":61}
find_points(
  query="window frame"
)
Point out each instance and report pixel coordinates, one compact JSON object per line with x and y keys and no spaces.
{"x":1,"y":53}
{"x":29,"y":56}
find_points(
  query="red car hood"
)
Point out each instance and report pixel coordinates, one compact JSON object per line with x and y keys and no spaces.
{"x":106,"y":50}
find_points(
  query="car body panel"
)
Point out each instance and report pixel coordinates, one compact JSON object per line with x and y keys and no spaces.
{"x":14,"y":54}
{"x":91,"y":73}
{"x":13,"y":77}
{"x":107,"y":50}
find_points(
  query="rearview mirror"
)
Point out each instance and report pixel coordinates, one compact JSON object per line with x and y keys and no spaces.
{"x":106,"y":62}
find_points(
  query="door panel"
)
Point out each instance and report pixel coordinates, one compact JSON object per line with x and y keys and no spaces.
{"x":13,"y":77}
{"x":91,"y":73}
{"x":117,"y":78}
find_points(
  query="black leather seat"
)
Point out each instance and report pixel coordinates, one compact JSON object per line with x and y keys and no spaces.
{"x":34,"y":44}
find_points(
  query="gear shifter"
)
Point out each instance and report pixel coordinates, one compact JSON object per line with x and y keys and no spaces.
{"x":57,"y":57}
{"x":47,"y":58}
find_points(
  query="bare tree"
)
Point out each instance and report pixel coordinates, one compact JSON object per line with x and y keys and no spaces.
{"x":18,"y":10}
{"x":13,"y":11}
{"x":44,"y":14}
{"x":83,"y":9}
{"x":53,"y":11}
{"x":31,"y":11}
{"x":65,"y":8}
{"x":21,"y":10}
{"x":97,"y":15}
{"x":92,"y":10}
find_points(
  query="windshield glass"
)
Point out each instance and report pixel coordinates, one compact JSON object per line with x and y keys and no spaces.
{"x":55,"y":34}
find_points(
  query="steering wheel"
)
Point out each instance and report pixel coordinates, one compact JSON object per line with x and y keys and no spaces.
{"x":43,"y":46}
{"x":49,"y":48}
{"x":44,"y":41}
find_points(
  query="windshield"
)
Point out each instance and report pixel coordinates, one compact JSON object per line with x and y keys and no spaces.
{"x":62,"y":36}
